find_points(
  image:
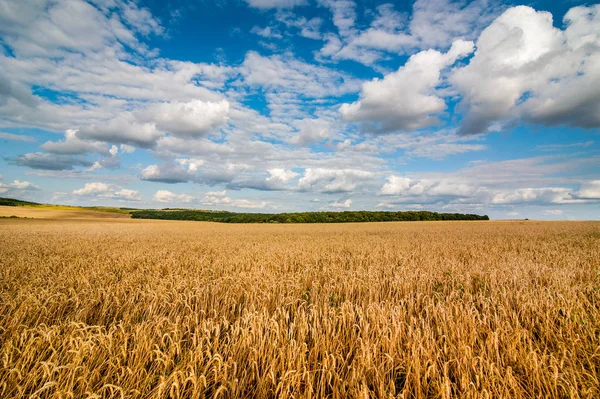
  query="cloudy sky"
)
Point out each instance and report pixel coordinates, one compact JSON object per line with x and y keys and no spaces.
{"x":295,"y":105}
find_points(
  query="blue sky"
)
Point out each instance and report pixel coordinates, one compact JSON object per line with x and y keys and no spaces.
{"x":303,"y":105}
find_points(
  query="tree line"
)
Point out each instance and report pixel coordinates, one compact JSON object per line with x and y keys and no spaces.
{"x":302,"y":217}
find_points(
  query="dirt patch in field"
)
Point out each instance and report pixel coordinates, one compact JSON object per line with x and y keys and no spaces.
{"x":35,"y":213}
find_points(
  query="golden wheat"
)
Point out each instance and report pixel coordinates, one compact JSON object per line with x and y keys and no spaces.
{"x":150,"y":309}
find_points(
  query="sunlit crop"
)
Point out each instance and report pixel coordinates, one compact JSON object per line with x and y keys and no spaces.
{"x":158,"y":309}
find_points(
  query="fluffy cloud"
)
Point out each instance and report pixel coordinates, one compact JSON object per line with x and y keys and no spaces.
{"x":40,"y":160}
{"x":526,"y":68}
{"x":73,"y":145}
{"x":168,"y":172}
{"x":186,"y":119}
{"x":17,"y":185}
{"x":220,"y":198}
{"x":16,"y":137}
{"x":47,"y":28}
{"x":406,"y":99}
{"x":395,"y":185}
{"x":94,"y":188}
{"x":433,"y":24}
{"x":104,"y":190}
{"x":165,"y":196}
{"x":311,"y":131}
{"x":280,"y":175}
{"x":287,"y":73}
{"x":589,"y":190}
{"x":266,"y":32}
{"x":309,"y":28}
{"x":343,"y":15}
{"x":331,"y":181}
{"x":122,"y":130}
{"x":268,"y":4}
{"x":406,"y":187}
{"x":339,"y":204}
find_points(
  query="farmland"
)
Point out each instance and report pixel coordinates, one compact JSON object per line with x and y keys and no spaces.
{"x":119,"y":307}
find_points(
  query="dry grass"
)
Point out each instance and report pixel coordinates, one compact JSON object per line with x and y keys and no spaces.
{"x":148,"y":309}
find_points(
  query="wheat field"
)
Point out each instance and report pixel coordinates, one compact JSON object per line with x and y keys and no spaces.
{"x":156,"y":309}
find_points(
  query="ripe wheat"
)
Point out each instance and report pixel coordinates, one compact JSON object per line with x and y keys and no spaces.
{"x":150,"y":309}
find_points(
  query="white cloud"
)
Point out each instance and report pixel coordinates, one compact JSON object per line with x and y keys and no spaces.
{"x":280,"y":175}
{"x":23,"y":185}
{"x":395,"y":185}
{"x":343,"y":15}
{"x":186,"y":119}
{"x":40,"y":160}
{"x":267,"y":32}
{"x":285,"y":72}
{"x":406,"y":99}
{"x":404,"y":186}
{"x":219,"y":198}
{"x":167,"y":172}
{"x":340,"y":204}
{"x":553,"y":212}
{"x":269,"y":4}
{"x":94,"y":188}
{"x":589,"y":190}
{"x":16,"y":137}
{"x":434,"y":24}
{"x":48,"y":28}
{"x":17,"y":185}
{"x":73,"y":145}
{"x":122,"y":130}
{"x":311,"y":131}
{"x":553,"y":195}
{"x":105,"y":190}
{"x":333,"y":180}
{"x":527,"y":69}
{"x":309,"y":28}
{"x":165,"y":196}
{"x":127,"y":149}
{"x":128,"y":195}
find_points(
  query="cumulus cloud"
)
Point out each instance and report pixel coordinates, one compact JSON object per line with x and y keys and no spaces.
{"x":553,"y":195}
{"x":266,"y":32}
{"x":94,"y":188}
{"x":589,"y":190}
{"x":311,"y":131}
{"x":309,"y":28}
{"x":220,"y":198}
{"x":17,"y":186}
{"x":186,"y":119}
{"x":104,"y":190}
{"x":331,"y":181}
{"x":40,"y":160}
{"x":404,"y":186}
{"x":16,"y":137}
{"x":122,"y":130}
{"x":525,"y":68}
{"x":73,"y":145}
{"x":165,"y":196}
{"x":406,"y":99}
{"x":341,"y":204}
{"x":280,"y":175}
{"x":168,"y":172}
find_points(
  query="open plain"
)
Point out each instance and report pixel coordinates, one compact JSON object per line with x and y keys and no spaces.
{"x":159,"y":309}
